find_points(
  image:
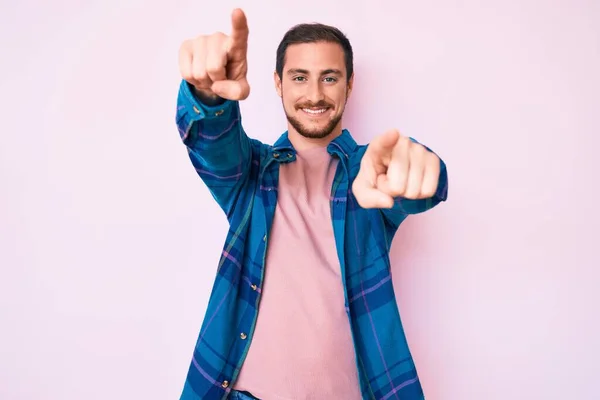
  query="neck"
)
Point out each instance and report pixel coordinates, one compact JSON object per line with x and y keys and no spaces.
{"x":303,"y":143}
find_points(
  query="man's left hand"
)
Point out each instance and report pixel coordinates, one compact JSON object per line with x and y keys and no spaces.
{"x":395,"y":166}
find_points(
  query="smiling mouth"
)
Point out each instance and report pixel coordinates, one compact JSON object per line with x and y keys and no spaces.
{"x":315,"y":111}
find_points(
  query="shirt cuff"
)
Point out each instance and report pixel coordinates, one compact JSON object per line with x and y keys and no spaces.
{"x":198,"y":110}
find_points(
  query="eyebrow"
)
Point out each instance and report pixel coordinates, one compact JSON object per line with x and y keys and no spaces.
{"x":306,"y":72}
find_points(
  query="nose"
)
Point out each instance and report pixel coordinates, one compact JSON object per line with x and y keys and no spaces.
{"x":315,"y":92}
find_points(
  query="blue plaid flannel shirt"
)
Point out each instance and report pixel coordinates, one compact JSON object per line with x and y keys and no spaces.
{"x":242,"y":176}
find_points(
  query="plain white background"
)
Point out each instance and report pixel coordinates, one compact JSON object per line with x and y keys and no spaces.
{"x":109,"y":241}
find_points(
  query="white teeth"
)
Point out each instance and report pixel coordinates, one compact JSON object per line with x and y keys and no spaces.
{"x":319,"y":111}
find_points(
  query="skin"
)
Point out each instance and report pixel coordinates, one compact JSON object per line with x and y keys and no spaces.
{"x":314,"y":77}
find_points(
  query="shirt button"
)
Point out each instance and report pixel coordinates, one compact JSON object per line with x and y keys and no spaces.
{"x":243,"y":336}
{"x":225,"y":384}
{"x":196,"y":110}
{"x":276,"y":155}
{"x":265,"y":238}
{"x":254,"y":287}
{"x":220,"y":112}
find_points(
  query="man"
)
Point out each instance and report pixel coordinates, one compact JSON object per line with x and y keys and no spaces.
{"x":303,"y":305}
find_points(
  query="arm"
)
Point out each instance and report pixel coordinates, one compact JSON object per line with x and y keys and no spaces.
{"x":214,"y":69}
{"x":217,"y":145}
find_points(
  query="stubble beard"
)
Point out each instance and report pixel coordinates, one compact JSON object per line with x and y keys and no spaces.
{"x":309,"y":133}
{"x":314,"y":133}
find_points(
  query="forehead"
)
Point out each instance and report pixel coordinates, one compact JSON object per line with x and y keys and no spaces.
{"x":315,"y":56}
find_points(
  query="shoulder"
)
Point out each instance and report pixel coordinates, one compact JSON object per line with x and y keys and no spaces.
{"x":260,"y":150}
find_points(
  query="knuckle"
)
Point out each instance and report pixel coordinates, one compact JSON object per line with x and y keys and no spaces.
{"x":396,"y":192}
{"x":396,"y":188}
{"x":213,"y":66}
{"x":418,"y":151}
{"x":428,"y":192}
{"x":198,"y":45}
{"x":199,"y":74}
{"x":433,"y":159}
{"x":410,"y":193}
{"x":216,"y":40}
{"x":185,"y":46}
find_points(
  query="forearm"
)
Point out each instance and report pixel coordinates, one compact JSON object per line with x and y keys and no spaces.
{"x":217,"y":145}
{"x":212,"y":131}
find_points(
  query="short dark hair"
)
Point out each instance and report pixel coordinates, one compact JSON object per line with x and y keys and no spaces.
{"x":312,"y":33}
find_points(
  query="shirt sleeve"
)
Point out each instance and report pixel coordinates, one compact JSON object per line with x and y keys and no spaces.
{"x":217,"y":144}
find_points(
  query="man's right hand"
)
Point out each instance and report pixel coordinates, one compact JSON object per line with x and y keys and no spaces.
{"x":216,"y":64}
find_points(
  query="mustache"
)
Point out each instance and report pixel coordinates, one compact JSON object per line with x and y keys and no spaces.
{"x":320,"y":104}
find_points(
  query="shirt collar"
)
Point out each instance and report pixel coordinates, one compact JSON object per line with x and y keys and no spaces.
{"x":342,"y":146}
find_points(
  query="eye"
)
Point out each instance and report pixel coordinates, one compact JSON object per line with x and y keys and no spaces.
{"x":330,"y":79}
{"x":298,"y":78}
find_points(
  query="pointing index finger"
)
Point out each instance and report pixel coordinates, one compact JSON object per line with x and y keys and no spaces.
{"x":382,"y":145}
{"x":239,"y":30}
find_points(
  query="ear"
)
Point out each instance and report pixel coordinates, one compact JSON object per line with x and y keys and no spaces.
{"x":277,"y":80}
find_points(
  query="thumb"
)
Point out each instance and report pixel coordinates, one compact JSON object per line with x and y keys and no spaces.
{"x":232,"y":90}
{"x":364,"y":187}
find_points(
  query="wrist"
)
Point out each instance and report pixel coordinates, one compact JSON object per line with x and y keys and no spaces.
{"x":207,"y":97}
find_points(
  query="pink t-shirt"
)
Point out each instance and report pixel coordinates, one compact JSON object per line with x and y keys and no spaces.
{"x":302,"y":346}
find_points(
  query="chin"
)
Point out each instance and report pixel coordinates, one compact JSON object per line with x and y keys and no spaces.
{"x":315,"y":134}
{"x":309,"y":129}
{"x":313,"y":129}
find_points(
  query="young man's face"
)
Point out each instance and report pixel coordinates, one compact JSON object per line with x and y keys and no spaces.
{"x":314,"y":88}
